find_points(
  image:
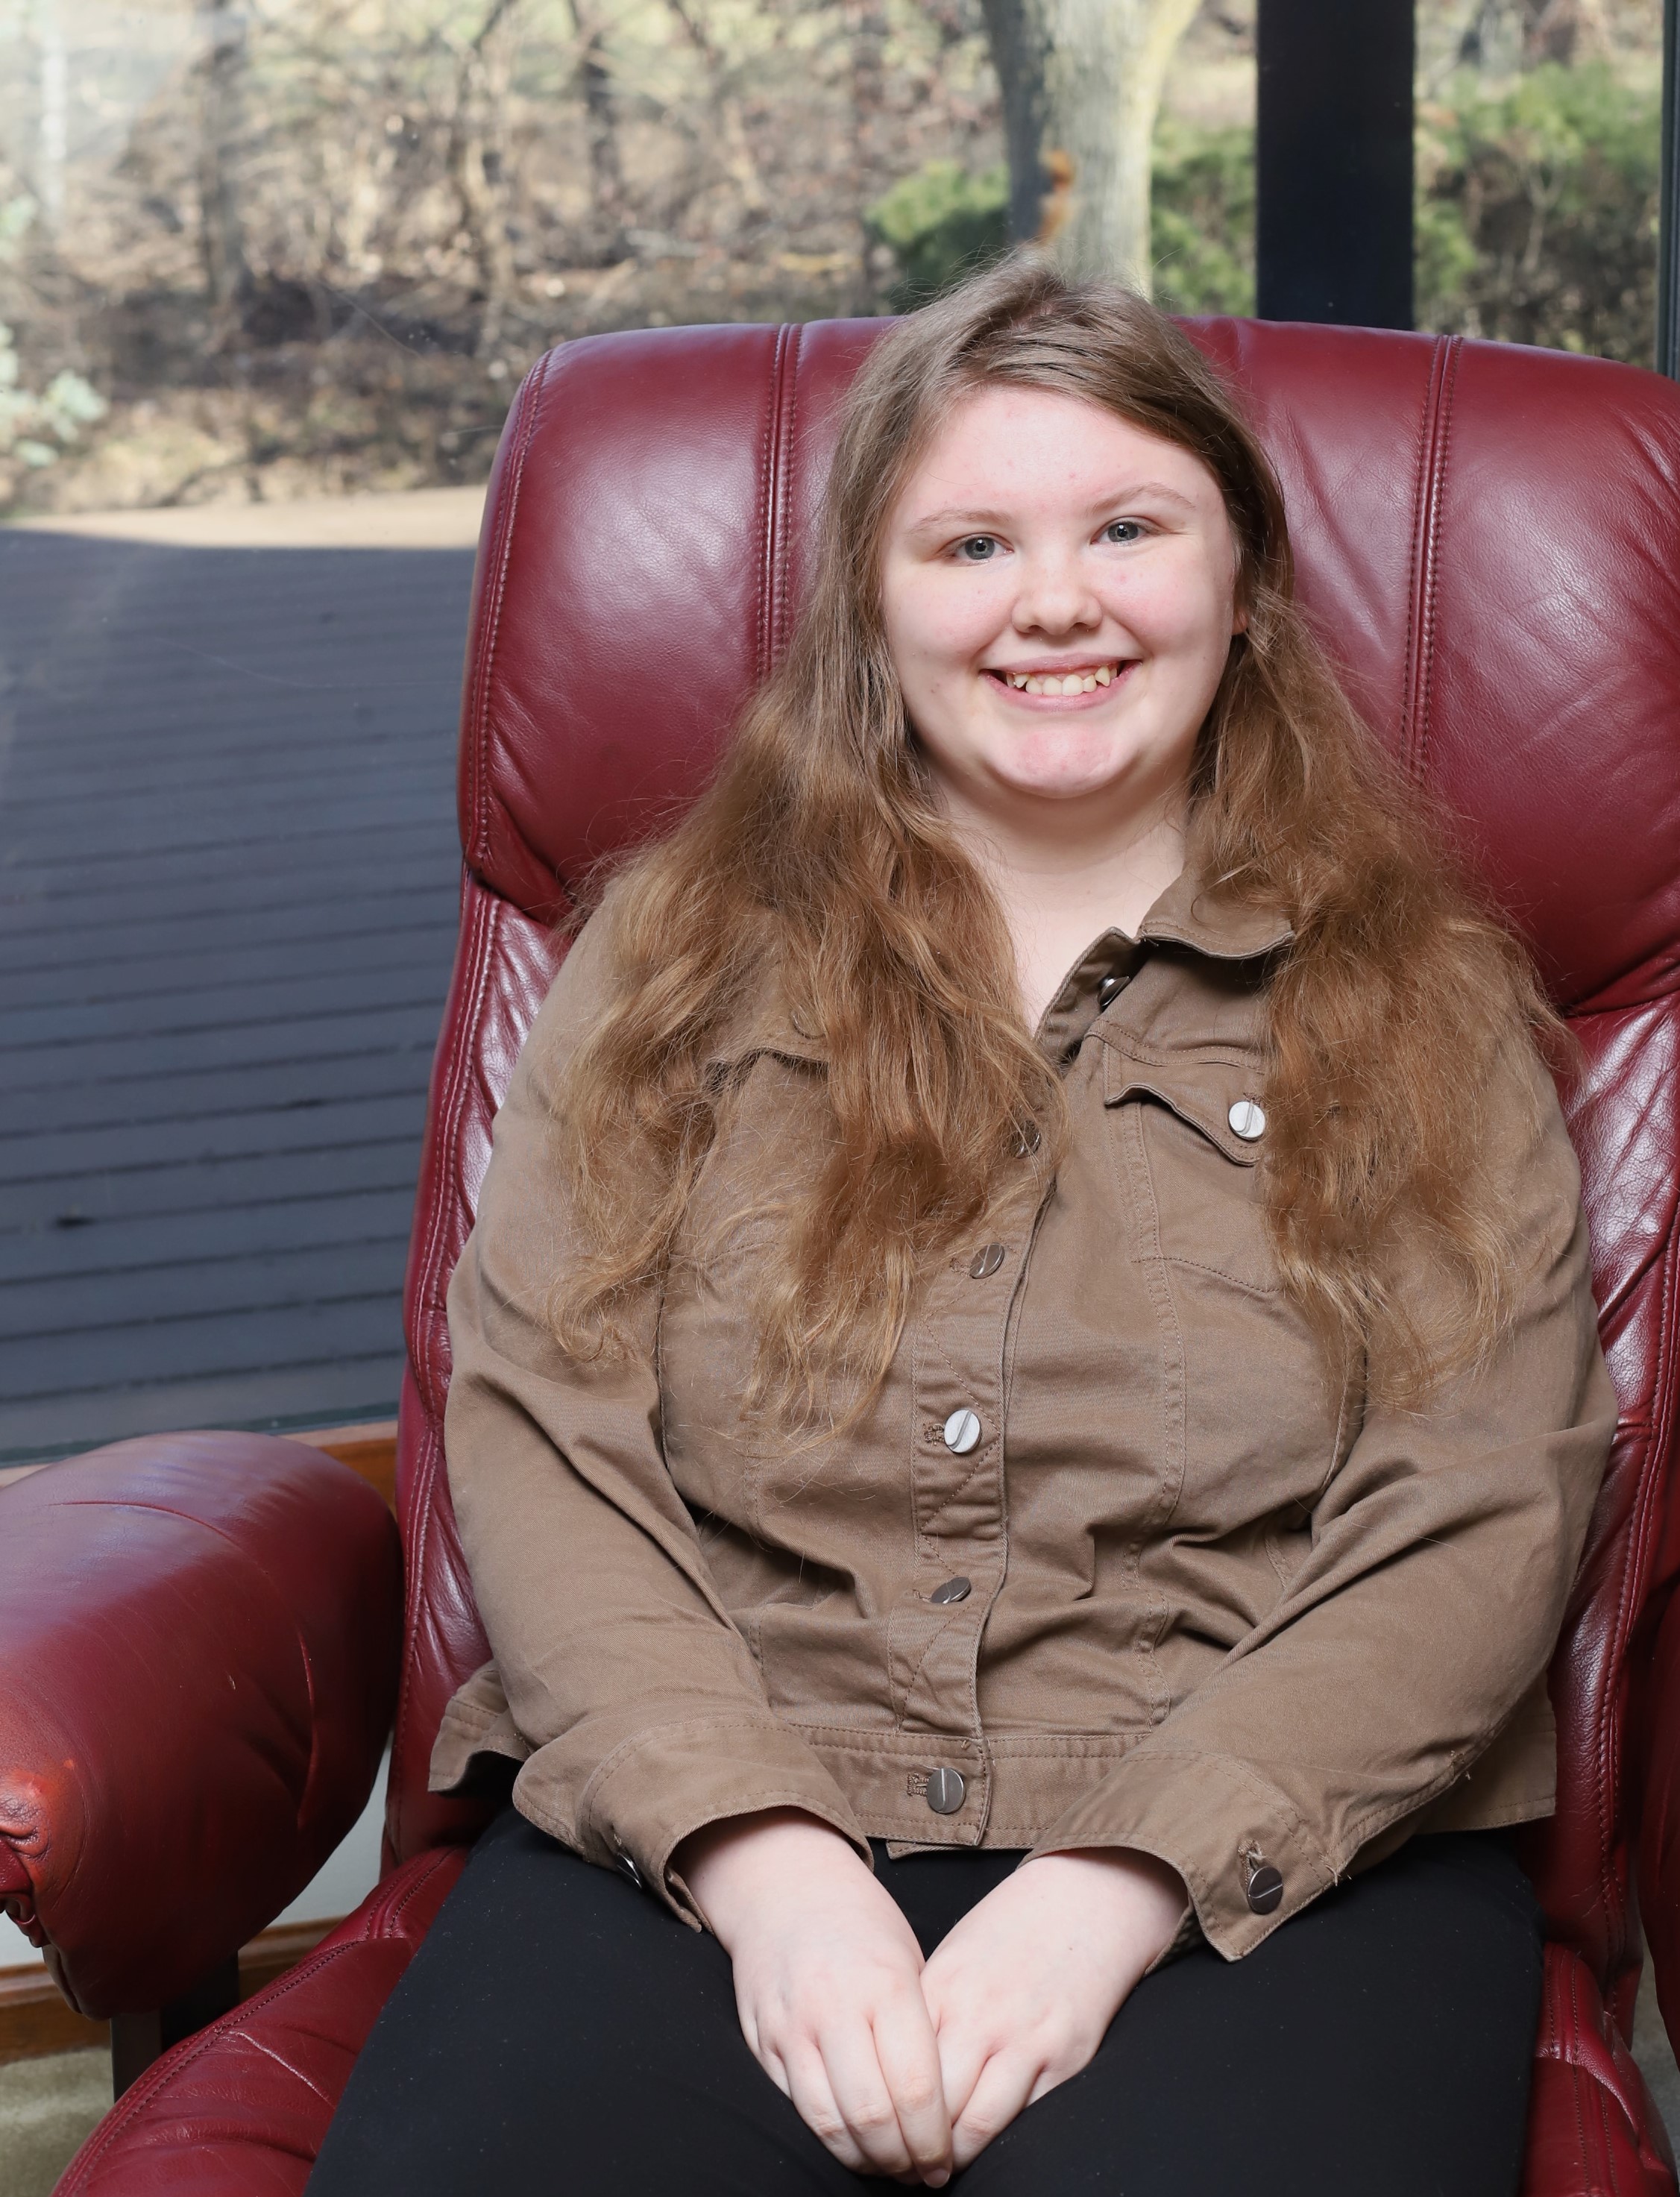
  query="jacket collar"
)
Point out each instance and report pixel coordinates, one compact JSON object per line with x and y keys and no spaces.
{"x":1211,"y":919}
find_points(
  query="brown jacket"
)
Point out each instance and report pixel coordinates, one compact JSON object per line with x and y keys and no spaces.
{"x":1106,"y":1564}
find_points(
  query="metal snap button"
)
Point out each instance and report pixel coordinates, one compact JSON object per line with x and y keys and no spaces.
{"x":987,"y":1260}
{"x":1110,"y":987}
{"x":953,"y":1590}
{"x":962,"y":1431}
{"x":626,"y":1867}
{"x":946,"y":1791}
{"x":1247,"y":1119}
{"x":1265,"y":1890}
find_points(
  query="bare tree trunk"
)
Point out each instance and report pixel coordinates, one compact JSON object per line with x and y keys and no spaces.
{"x":226,"y":277}
{"x":1081,"y":83}
{"x":732,"y":149}
{"x":478,"y":168}
{"x":1526,"y":33}
{"x":866,"y":24}
{"x":52,"y":134}
{"x":606,"y":173}
{"x":1014,"y":30}
{"x":1557,"y":29}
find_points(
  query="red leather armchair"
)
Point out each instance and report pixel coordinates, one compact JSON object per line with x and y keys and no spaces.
{"x":1489,"y":542}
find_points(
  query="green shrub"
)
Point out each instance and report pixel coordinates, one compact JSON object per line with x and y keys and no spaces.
{"x":1202,"y":218}
{"x":942,"y":225}
{"x":1537,"y":213}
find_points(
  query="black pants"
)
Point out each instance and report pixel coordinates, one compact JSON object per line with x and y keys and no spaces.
{"x":560,"y":2034}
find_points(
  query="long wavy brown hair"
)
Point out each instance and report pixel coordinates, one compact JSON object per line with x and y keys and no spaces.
{"x":821,"y":846}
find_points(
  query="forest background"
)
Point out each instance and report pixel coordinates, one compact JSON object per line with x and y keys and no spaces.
{"x":259,"y":249}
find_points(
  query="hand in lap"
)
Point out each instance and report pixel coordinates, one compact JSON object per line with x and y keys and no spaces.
{"x":908,"y":2070}
{"x":827,"y":1984}
{"x":1022,"y":1991}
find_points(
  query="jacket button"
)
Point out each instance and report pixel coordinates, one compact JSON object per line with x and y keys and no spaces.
{"x":1109,"y":988}
{"x":955,"y":1589}
{"x":962,"y":1432}
{"x":987,"y":1260}
{"x":1265,"y":1890}
{"x":946,"y":1790}
{"x":626,"y":1867}
{"x":1028,"y":1142}
{"x":1247,"y":1119}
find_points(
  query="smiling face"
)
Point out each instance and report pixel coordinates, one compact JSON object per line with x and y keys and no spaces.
{"x":1058,"y":594}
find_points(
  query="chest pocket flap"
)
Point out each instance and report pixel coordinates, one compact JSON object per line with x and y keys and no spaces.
{"x":1217,"y":1095}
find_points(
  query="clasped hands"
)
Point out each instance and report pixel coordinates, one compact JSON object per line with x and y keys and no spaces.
{"x":907,"y":2068}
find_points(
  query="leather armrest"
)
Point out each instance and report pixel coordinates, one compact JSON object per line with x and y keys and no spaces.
{"x":199,"y":1636}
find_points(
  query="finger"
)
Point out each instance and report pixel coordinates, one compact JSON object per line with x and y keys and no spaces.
{"x":964,"y":2050}
{"x":1004,"y":2085}
{"x":861,"y":2091}
{"x":813,"y":2101}
{"x":908,"y":2053}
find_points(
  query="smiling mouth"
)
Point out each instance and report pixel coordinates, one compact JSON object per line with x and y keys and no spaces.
{"x":1084,"y":679}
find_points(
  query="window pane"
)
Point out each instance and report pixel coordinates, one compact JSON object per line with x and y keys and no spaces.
{"x":1539,"y":147}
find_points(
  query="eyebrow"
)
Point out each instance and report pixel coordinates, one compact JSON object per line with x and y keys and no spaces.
{"x":978,"y":519}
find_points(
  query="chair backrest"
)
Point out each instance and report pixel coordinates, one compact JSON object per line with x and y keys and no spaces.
{"x":1489,"y":543}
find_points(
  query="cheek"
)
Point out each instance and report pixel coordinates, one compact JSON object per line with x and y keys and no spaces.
{"x":934,"y":627}
{"x":1186,"y":617}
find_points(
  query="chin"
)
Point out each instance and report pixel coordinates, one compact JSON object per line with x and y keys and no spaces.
{"x":1064,"y":777}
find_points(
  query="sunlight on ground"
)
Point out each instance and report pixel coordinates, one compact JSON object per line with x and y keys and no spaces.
{"x":416,"y":519}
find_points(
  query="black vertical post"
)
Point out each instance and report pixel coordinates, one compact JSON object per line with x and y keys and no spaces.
{"x":1333,"y":161}
{"x":1668,"y":223}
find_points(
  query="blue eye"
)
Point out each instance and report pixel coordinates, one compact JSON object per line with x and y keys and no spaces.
{"x":1123,"y":531}
{"x":977,"y":548}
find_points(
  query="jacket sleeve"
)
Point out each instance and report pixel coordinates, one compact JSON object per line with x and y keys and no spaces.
{"x":1419,"y":1626}
{"x":629,"y":1691}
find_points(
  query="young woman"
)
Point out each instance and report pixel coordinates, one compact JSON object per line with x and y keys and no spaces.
{"x":1026,"y":1398}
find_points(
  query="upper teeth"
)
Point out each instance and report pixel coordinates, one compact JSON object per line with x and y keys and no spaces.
{"x":1055,"y":682}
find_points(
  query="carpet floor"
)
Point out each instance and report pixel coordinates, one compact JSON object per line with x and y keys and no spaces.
{"x":47,"y":2109}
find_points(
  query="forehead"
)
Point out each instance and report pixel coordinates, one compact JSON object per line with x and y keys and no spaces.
{"x":1032,"y":445}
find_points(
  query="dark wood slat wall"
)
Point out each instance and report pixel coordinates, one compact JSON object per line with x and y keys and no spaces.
{"x":228,"y":873}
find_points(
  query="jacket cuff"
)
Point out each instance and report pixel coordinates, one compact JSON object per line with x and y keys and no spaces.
{"x":1246,"y":1859}
{"x":651,"y":1793}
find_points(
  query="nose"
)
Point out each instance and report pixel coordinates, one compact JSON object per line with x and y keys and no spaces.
{"x":1053,"y":596}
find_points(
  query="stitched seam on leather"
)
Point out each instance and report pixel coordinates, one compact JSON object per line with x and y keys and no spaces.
{"x":1607,"y":2152}
{"x":484,"y":922}
{"x":417,"y":1884}
{"x":766,"y":509}
{"x":502,"y":556}
{"x":784,"y":498}
{"x":1416,"y":578}
{"x":1635,"y":1572}
{"x":484,"y":919}
{"x":1571,"y":2060}
{"x":1437,"y":500}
